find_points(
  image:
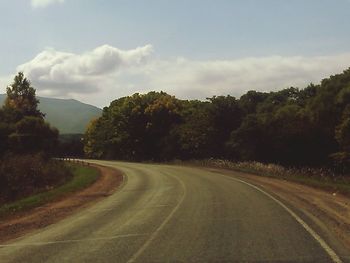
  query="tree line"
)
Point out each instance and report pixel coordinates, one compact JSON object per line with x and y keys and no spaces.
{"x":293,"y":127}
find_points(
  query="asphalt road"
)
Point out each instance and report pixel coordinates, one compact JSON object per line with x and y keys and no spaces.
{"x":176,"y":214}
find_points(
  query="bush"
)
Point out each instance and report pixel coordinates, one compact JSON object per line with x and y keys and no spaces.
{"x":279,"y":171}
{"x":23,"y":175}
{"x":323,"y":178}
{"x":341,"y":162}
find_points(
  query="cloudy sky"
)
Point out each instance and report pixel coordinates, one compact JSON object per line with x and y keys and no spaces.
{"x":100,"y":50}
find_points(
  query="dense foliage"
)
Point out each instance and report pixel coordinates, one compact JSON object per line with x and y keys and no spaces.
{"x":23,"y":129}
{"x":26,"y":144}
{"x":23,"y":175}
{"x":70,"y":145}
{"x":295,"y":127}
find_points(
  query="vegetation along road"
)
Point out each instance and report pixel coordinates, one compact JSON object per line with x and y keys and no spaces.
{"x":171,"y":213}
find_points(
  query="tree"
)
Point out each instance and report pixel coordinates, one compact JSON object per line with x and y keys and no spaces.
{"x":33,"y":134}
{"x":5,"y":130}
{"x":21,"y":100}
{"x":342,"y":133}
{"x":341,"y":159}
{"x":248,"y":141}
{"x":97,"y":138}
{"x":24,"y":129}
{"x":225,"y":117}
{"x":292,"y":126}
{"x":136,"y":127}
{"x":195,"y":135}
{"x":250,"y":101}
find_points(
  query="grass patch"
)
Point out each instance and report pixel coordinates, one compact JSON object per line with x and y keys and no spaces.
{"x":83,"y":176}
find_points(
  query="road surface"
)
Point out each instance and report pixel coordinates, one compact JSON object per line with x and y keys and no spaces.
{"x":176,"y":214}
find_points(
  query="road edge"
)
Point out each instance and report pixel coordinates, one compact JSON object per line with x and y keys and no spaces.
{"x":312,"y":216}
{"x":36,"y":219}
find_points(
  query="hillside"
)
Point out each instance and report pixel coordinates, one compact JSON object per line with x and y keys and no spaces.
{"x":67,"y":115}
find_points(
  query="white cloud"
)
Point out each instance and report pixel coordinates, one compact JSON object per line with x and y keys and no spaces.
{"x":106,"y":73}
{"x":200,"y":79}
{"x":58,"y":73}
{"x":44,"y":3}
{"x":4,"y":82}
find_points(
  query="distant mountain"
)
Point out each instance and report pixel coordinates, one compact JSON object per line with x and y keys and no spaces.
{"x":68,"y":116}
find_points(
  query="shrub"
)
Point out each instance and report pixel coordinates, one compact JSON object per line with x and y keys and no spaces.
{"x":23,"y":175}
{"x":274,"y":170}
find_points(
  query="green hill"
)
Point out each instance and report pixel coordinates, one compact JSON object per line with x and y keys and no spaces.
{"x":67,"y":115}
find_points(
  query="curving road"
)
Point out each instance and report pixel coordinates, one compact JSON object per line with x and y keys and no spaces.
{"x":176,"y":214}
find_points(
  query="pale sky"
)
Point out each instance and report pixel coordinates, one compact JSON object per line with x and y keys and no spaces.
{"x":99,"y":50}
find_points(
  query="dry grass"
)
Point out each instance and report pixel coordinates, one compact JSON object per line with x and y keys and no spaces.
{"x":317,"y":177}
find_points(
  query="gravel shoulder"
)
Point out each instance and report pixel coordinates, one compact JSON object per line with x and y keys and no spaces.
{"x":40,"y":217}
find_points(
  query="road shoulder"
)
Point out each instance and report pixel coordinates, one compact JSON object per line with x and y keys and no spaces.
{"x":40,"y":217}
{"x":328,"y":212}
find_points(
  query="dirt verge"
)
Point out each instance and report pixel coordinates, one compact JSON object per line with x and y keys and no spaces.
{"x":328,"y":212}
{"x":25,"y":222}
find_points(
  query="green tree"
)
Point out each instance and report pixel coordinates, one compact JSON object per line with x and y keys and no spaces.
{"x":291,"y":126}
{"x":24,"y":129}
{"x":5,"y":130}
{"x":98,"y":139}
{"x":136,"y":127}
{"x":21,"y":100}
{"x":195,"y":135}
{"x":225,"y":117}
{"x":250,"y":101}
{"x":33,"y":134}
{"x":248,"y":142}
{"x":341,"y":159}
{"x":343,"y":131}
